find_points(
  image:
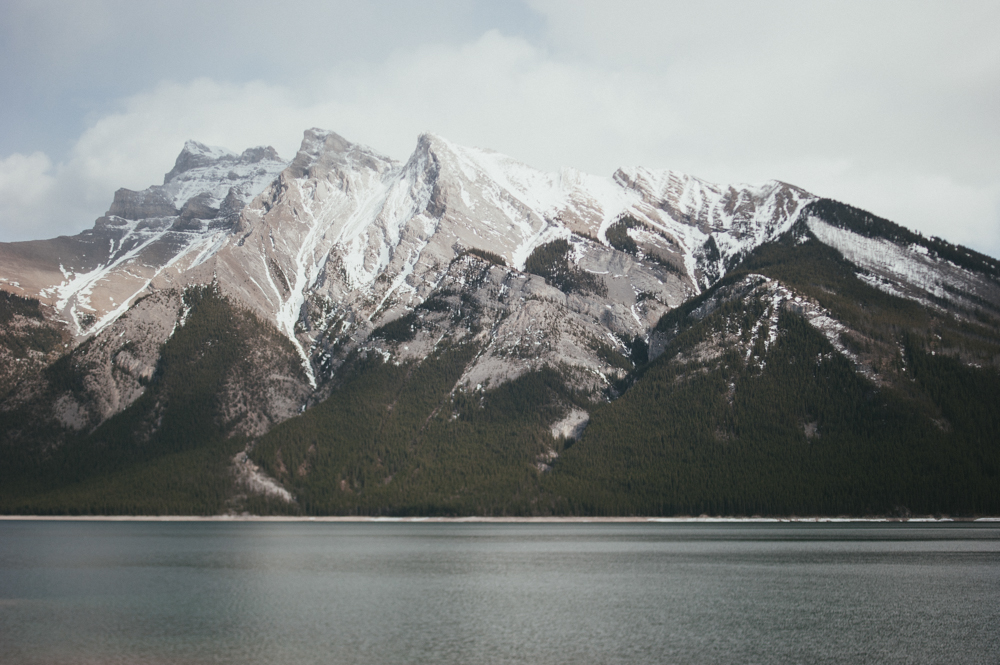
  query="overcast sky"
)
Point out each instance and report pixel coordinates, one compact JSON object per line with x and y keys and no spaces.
{"x":889,"y":106}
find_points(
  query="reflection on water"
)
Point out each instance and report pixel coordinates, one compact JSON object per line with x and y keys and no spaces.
{"x":257,"y":592}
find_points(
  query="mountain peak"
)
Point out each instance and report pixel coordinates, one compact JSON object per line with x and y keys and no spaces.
{"x":193,"y":147}
{"x":315,"y":140}
{"x":327,"y":148}
{"x":194,"y":155}
{"x":259,"y":154}
{"x":198,"y":155}
{"x":430,"y":141}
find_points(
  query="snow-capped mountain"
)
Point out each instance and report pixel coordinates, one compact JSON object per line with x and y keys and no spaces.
{"x":313,"y":265}
{"x":91,"y":279}
{"x":347,"y":231}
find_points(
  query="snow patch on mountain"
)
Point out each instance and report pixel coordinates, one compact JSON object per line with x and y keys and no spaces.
{"x":909,"y":271}
{"x":250,"y":477}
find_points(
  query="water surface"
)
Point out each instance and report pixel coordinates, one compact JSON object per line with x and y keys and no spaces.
{"x":259,"y":592}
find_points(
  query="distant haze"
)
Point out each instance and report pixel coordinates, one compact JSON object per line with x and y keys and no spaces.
{"x":889,"y":106}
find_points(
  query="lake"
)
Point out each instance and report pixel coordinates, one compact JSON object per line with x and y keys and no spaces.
{"x":471,"y":593}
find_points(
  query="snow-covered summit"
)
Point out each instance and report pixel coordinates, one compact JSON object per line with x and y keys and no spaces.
{"x":342,"y":223}
{"x":198,"y":155}
{"x":195,"y":154}
{"x":327,"y":150}
{"x":200,"y":169}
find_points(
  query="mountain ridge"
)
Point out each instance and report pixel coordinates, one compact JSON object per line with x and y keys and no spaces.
{"x":567,"y":285}
{"x":339,"y":215}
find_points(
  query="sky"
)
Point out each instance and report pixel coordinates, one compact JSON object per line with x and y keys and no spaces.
{"x":891,"y":106}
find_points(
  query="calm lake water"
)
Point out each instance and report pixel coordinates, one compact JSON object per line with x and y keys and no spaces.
{"x":289,"y":593}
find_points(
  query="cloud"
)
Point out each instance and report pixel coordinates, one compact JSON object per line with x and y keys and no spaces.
{"x":887,"y":83}
{"x":888,"y":107}
{"x":507,"y":94}
{"x":25,"y":181}
{"x":136,"y":145}
{"x":133,"y":147}
{"x":899,"y":97}
{"x":473,"y":94}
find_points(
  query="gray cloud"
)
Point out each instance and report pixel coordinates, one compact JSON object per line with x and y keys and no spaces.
{"x":884,"y":105}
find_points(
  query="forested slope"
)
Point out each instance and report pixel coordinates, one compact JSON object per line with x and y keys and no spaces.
{"x":170,"y":452}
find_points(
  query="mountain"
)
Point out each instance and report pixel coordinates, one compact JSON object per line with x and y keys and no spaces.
{"x":461,"y":333}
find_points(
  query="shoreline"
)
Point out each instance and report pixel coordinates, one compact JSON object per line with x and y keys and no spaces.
{"x":496,"y":520}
